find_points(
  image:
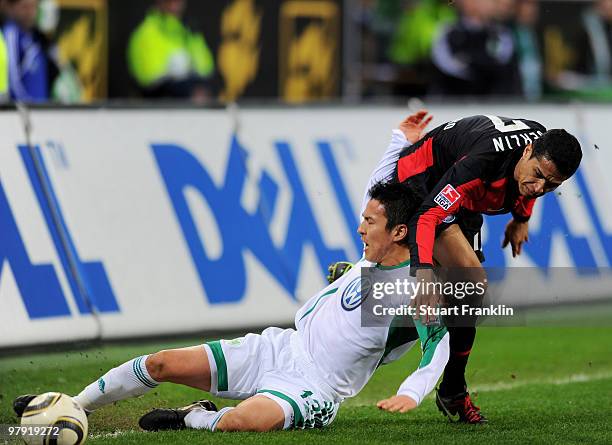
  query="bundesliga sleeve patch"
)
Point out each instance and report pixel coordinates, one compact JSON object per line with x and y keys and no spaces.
{"x":447,"y":197}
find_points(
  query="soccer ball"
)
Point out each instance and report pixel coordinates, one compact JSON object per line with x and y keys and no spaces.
{"x":56,"y":418}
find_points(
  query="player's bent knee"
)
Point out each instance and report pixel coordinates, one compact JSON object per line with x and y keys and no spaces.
{"x":158,"y":366}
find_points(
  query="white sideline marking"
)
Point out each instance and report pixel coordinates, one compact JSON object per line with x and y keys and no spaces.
{"x":505,"y":386}
{"x":574,"y":378}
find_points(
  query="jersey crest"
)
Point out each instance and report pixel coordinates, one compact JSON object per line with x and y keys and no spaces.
{"x":354,"y":293}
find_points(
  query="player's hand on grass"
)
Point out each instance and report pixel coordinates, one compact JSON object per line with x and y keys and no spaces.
{"x":394,"y":404}
{"x":516,"y":234}
{"x":426,"y":298}
{"x":414,"y":125}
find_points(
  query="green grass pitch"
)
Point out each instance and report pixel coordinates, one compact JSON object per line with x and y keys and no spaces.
{"x":536,"y":385}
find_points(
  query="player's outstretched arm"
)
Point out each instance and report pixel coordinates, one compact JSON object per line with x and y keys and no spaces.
{"x":408,"y":132}
{"x":386,"y":166}
{"x":436,"y":350}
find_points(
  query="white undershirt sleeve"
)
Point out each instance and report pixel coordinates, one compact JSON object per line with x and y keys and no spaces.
{"x":386,"y":165}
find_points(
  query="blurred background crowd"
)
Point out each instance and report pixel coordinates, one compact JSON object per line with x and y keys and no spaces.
{"x":83,"y":51}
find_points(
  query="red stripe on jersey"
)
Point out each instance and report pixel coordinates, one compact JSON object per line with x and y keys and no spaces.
{"x":524,"y":206}
{"x":426,"y":233}
{"x":417,"y":162}
{"x":469,"y":191}
{"x":426,"y":225}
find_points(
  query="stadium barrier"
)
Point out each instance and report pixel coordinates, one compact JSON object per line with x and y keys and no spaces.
{"x":117,"y":223}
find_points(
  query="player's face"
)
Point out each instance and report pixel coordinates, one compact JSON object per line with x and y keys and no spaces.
{"x":536,"y":177}
{"x":373,"y":230}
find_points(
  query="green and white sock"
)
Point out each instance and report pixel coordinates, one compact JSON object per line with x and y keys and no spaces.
{"x":130,"y":379}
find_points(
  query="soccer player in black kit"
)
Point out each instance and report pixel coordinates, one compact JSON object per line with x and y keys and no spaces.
{"x":463,"y":169}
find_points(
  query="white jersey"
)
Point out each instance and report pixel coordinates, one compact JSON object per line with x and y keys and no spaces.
{"x":330,"y":332}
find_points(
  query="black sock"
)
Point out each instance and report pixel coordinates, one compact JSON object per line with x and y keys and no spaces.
{"x":461,"y":342}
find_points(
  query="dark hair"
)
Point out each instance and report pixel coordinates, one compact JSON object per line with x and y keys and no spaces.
{"x":399,"y":200}
{"x":561,"y":148}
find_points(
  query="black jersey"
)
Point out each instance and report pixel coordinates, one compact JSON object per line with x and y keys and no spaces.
{"x":468,"y":163}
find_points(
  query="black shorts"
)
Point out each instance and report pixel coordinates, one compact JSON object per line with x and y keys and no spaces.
{"x":470,"y":224}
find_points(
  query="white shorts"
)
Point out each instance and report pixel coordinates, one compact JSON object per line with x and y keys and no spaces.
{"x":266,"y":364}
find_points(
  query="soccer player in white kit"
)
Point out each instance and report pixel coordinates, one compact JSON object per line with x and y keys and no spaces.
{"x":294,"y":378}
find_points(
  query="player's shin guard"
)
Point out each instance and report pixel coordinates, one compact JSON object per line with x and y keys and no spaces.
{"x":461,"y":342}
{"x":128,"y":380}
{"x":205,"y":420}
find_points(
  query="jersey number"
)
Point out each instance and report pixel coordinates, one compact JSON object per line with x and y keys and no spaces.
{"x":514,"y":125}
